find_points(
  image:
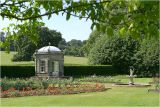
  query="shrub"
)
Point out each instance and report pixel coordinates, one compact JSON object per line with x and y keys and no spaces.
{"x":24,"y":56}
{"x":117,"y":51}
{"x":6,"y":84}
{"x":20,"y":84}
{"x":34,"y":83}
{"x":147,"y":57}
{"x":124,"y":52}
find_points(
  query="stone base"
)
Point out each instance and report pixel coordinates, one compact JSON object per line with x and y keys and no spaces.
{"x":131,"y":85}
{"x":154,"y":90}
{"x":65,"y":77}
{"x":60,"y":77}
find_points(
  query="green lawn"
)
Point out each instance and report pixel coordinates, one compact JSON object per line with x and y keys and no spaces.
{"x":125,"y":79}
{"x":68,"y":60}
{"x":116,"y":96}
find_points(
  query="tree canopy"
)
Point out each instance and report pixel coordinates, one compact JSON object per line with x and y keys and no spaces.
{"x":116,"y":51}
{"x":137,"y":18}
{"x":26,"y":48}
{"x":123,"y":52}
{"x":74,"y":48}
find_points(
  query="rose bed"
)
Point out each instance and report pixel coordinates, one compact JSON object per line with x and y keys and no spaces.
{"x":52,"y":90}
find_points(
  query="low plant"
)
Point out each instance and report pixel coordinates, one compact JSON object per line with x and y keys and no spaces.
{"x":20,"y":84}
{"x":6,"y":84}
{"x":98,"y":79}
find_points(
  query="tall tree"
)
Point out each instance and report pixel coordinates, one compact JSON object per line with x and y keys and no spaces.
{"x":116,"y":51}
{"x":46,"y":35}
{"x":147,"y":57}
{"x":90,"y":43}
{"x":26,"y":48}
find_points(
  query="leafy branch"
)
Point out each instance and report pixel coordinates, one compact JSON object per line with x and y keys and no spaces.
{"x":47,"y":13}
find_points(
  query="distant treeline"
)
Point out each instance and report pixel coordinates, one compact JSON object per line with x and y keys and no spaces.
{"x":26,"y":48}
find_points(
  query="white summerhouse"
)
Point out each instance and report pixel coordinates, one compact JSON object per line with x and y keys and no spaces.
{"x":49,"y":62}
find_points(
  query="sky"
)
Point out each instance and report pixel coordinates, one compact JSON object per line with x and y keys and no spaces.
{"x":71,"y":29}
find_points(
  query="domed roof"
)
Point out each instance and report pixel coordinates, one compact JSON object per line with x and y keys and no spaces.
{"x":49,"y":49}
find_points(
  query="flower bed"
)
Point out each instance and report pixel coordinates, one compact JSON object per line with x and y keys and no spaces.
{"x":53,"y":90}
{"x":34,"y":83}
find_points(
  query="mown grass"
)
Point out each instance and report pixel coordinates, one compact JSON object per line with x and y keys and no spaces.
{"x":116,"y":96}
{"x":112,"y":79}
{"x":68,"y":60}
{"x":125,"y":79}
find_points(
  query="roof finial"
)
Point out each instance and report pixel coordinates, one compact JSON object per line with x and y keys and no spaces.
{"x":49,"y":44}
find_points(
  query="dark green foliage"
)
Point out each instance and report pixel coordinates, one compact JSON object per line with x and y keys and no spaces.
{"x":46,"y":35}
{"x":117,"y":51}
{"x":26,"y":48}
{"x":75,"y":71}
{"x":122,"y":52}
{"x":28,"y":71}
{"x":17,"y":71}
{"x":90,"y":70}
{"x":147,"y":57}
{"x":6,"y":84}
{"x":20,"y":84}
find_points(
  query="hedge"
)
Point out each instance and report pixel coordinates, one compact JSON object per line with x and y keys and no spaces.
{"x":90,"y":70}
{"x":17,"y":71}
{"x":28,"y":71}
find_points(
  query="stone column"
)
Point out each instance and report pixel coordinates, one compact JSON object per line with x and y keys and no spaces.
{"x":49,"y":67}
{"x":35,"y":66}
{"x":62,"y":67}
{"x":38,"y":66}
{"x":46,"y":65}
